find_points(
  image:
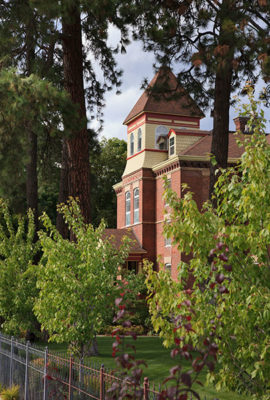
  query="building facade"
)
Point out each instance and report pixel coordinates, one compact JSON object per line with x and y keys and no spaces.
{"x":164,"y":139}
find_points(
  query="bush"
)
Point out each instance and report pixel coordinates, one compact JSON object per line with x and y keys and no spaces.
{"x":137,"y":329}
{"x":10,"y":393}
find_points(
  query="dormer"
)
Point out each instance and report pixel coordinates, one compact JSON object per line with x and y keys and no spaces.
{"x":153,"y":116}
{"x":162,"y":142}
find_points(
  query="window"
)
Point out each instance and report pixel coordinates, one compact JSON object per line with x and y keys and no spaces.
{"x":168,"y":242}
{"x":139,"y":140}
{"x":127,"y":208}
{"x":162,"y":143}
{"x":132,"y":266}
{"x":136,"y":205}
{"x":171,"y":145}
{"x":132,"y":144}
{"x":161,"y":130}
{"x":168,"y":267}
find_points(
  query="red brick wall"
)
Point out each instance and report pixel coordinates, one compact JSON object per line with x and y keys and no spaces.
{"x":198,"y":182}
{"x":150,"y":229}
{"x":145,"y":232}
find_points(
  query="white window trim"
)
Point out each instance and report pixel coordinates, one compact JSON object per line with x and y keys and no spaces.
{"x":132,"y":143}
{"x":171,"y":146}
{"x":135,"y":197}
{"x":139,"y":140}
{"x":127,"y":213}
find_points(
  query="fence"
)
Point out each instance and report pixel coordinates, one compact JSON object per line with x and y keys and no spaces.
{"x":42,"y":375}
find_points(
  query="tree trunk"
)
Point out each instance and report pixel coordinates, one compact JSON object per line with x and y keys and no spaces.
{"x":77,"y":149}
{"x":220,"y":138}
{"x":63,"y":192}
{"x":31,"y":179}
{"x":222,"y":94}
{"x":31,"y":168}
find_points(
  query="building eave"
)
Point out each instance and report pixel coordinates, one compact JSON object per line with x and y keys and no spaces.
{"x":127,"y":122}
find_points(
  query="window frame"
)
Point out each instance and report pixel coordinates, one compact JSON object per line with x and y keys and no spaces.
{"x":127,"y":211}
{"x":168,"y":242}
{"x":136,"y":210}
{"x":171,"y":145}
{"x":168,"y":267}
{"x":139,"y":140}
{"x":132,"y":143}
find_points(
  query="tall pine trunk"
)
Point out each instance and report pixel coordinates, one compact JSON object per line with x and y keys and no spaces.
{"x":63,"y":191}
{"x":222,"y":94}
{"x":31,"y":168}
{"x":220,"y":137}
{"x":75,"y":148}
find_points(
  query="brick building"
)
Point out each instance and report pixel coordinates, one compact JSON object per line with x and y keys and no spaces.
{"x":164,"y":138}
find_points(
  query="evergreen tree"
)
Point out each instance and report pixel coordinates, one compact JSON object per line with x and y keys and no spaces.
{"x":90,"y":20}
{"x":26,"y":44}
{"x":216,"y":47}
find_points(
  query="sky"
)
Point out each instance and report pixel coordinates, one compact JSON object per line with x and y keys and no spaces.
{"x":136,"y":65}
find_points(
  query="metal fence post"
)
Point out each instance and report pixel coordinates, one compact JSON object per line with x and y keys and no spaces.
{"x":70,"y":391}
{"x":101,"y":381}
{"x":11,"y":362}
{"x":45,"y":373}
{"x":145,"y":388}
{"x":26,"y":371}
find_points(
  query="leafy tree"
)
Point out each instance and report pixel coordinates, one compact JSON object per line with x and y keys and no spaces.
{"x":17,"y":281}
{"x":108,"y":163}
{"x":77,"y":279}
{"x":216,"y":45}
{"x":229,"y":300}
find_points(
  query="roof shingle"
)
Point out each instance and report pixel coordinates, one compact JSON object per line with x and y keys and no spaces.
{"x":184,"y":105}
{"x":116,"y":235}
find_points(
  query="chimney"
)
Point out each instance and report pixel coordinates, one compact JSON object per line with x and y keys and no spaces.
{"x":240,"y":124}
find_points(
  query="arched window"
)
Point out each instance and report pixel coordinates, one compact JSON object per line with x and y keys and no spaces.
{"x":139,"y":140}
{"x":132,"y":144}
{"x":136,"y":197}
{"x":168,"y":268}
{"x":127,"y":208}
{"x":161,"y":130}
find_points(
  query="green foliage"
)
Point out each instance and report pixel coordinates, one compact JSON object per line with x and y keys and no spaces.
{"x":230,"y":296}
{"x":136,"y":300}
{"x":108,"y":161}
{"x":77,"y":279}
{"x":10,"y":393}
{"x":202,"y":38}
{"x":121,"y":330}
{"x":28,"y":103}
{"x":17,"y":281}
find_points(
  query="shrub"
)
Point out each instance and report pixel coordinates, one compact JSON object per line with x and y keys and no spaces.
{"x":10,"y":393}
{"x":137,"y":329}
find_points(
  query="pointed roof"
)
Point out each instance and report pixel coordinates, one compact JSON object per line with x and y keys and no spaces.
{"x":165,"y":103}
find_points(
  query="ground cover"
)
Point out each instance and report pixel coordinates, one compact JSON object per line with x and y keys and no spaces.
{"x":158,"y":360}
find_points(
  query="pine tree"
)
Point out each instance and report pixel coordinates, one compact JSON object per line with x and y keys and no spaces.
{"x":25,"y":44}
{"x":61,"y":55}
{"x":216,"y":47}
{"x":89,"y":20}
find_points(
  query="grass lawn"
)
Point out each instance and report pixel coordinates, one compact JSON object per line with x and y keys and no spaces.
{"x":158,"y":360}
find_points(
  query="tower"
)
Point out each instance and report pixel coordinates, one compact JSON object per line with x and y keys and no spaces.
{"x":159,"y":126}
